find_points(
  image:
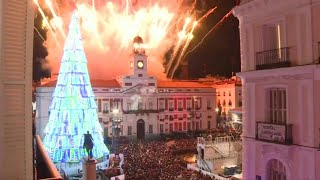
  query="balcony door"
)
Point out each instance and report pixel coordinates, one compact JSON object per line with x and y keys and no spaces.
{"x":140,"y":129}
{"x":276,"y":170}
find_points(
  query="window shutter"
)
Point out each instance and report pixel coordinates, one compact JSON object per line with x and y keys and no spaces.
{"x":16,"y":48}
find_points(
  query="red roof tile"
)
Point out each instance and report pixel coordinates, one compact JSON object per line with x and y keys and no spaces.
{"x":96,"y":83}
{"x":180,"y":84}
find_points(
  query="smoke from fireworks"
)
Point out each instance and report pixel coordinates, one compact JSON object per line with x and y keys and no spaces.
{"x":108,"y":29}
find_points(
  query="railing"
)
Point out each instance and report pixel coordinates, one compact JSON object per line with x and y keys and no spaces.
{"x":276,"y":133}
{"x":105,"y":111}
{"x":276,"y":58}
{"x":141,"y":111}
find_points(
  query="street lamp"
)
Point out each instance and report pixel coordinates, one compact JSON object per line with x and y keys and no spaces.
{"x":115,"y":113}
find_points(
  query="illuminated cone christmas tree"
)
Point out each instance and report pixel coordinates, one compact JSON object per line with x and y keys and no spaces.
{"x":73,"y":110}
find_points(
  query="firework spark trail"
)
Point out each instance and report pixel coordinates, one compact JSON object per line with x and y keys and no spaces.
{"x":181,"y":36}
{"x":39,"y":34}
{"x":207,"y":14}
{"x":183,"y":33}
{"x":112,"y":25}
{"x":46,"y":20}
{"x":189,"y":38}
{"x":214,"y":27}
{"x":57,"y":21}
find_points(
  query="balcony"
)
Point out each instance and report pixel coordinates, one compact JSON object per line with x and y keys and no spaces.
{"x":277,"y":58}
{"x":275,"y":133}
{"x":140,"y":111}
{"x":105,"y":111}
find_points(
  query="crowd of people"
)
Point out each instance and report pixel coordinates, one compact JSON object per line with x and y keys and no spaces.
{"x":159,"y":160}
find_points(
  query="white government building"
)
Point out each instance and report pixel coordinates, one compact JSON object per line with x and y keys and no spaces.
{"x":140,"y":104}
{"x":281,"y":83}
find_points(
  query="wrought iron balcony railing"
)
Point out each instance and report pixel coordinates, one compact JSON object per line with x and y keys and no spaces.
{"x":276,"y":58}
{"x":140,"y":111}
{"x":276,"y":133}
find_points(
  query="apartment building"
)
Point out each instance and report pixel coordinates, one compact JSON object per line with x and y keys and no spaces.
{"x":281,"y":79}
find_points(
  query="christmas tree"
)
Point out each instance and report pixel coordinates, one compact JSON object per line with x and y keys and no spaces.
{"x":73,"y":110}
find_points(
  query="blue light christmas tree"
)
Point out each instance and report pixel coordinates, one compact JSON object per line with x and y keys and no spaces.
{"x":73,"y":110}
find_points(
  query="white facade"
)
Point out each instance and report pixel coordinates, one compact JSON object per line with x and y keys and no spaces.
{"x":280,"y":76}
{"x":228,"y":94}
{"x":146,"y":106}
{"x":16,"y":38}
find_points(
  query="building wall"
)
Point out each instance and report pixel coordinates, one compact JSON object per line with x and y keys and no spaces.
{"x":16,"y":37}
{"x":228,"y":93}
{"x":299,"y":26}
{"x":109,"y":99}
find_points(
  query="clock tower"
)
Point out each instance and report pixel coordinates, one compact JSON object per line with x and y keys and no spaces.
{"x":138,"y":65}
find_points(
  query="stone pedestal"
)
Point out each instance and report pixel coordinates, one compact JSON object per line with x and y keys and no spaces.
{"x":89,"y":169}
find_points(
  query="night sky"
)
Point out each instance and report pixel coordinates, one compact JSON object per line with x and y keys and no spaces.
{"x":219,"y":53}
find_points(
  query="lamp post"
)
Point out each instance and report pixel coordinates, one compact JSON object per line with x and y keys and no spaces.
{"x":115,"y":113}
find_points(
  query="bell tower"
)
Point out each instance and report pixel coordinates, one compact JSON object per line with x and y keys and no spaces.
{"x":138,"y":65}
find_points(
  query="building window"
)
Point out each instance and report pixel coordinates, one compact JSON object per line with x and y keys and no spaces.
{"x":150,"y":105}
{"x":171,"y":105}
{"x":100,"y":120}
{"x":277,"y":105}
{"x":105,"y":108}
{"x":180,"y":126}
{"x":230,"y":103}
{"x":197,"y":125}
{"x":240,"y":103}
{"x":209,"y":124}
{"x":139,"y":75}
{"x":139,"y":105}
{"x":161,"y":128}
{"x":189,"y":126}
{"x":229,"y":93}
{"x":224,"y":103}
{"x":189,"y":104}
{"x":150,"y":129}
{"x":161,"y":105}
{"x":129,"y":130}
{"x":196,"y":104}
{"x":276,"y":170}
{"x":272,"y":36}
{"x":128,"y":84}
{"x":151,"y":84}
{"x":224,"y":93}
{"x":180,"y":104}
{"x":171,"y":127}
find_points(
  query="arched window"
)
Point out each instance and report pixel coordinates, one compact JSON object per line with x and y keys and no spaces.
{"x":276,"y":170}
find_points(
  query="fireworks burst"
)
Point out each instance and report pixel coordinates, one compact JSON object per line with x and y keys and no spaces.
{"x":108,"y":28}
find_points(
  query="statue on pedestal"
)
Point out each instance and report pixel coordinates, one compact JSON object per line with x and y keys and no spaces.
{"x":88,"y":144}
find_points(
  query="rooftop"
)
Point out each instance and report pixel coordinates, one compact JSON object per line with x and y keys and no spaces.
{"x":94,"y":83}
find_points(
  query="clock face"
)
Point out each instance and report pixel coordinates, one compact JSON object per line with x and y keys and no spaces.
{"x":140,"y":64}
